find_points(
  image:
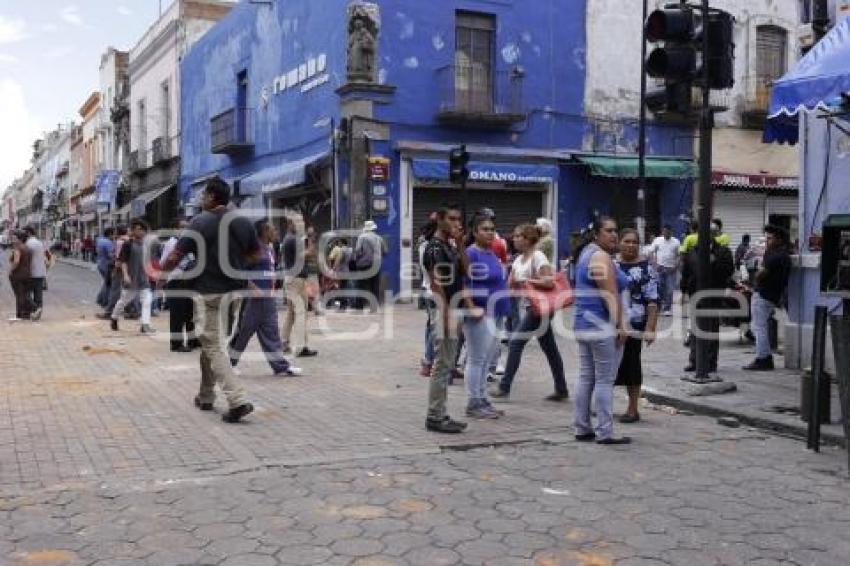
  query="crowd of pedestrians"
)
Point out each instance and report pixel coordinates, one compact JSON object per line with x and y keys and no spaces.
{"x":221,"y":283}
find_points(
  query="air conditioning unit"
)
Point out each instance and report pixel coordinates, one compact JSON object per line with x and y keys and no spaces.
{"x":806,"y":36}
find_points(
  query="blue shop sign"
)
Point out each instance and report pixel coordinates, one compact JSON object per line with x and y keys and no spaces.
{"x":483,"y":172}
{"x":106,"y":186}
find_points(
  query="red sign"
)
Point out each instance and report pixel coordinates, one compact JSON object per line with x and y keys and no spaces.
{"x":761,"y":181}
{"x":379,"y":168}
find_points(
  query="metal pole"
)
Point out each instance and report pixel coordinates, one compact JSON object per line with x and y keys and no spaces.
{"x":704,"y":205}
{"x":334,"y":196}
{"x":818,"y":358}
{"x":640,"y":220}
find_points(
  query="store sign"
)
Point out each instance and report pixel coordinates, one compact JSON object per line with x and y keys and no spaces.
{"x":106,"y":186}
{"x":305,"y":77}
{"x":379,"y":169}
{"x":761,"y":181}
{"x":88,"y":203}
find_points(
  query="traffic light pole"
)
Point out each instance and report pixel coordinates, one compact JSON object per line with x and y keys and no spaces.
{"x":640,"y":220}
{"x":704,"y":208}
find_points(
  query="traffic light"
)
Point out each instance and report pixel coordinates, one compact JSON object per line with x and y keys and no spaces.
{"x":458,"y":160}
{"x":680,"y":60}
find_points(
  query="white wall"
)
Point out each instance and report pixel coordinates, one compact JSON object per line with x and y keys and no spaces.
{"x":613,"y":48}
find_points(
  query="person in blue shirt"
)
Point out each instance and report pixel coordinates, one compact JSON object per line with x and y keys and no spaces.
{"x":259,"y":309}
{"x":105,"y":247}
{"x":600,"y":331}
{"x":486,"y":300}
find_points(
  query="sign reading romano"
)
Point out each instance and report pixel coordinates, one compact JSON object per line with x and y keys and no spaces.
{"x":307,"y":76}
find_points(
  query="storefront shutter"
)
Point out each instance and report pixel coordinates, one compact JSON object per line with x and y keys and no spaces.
{"x":741,"y":213}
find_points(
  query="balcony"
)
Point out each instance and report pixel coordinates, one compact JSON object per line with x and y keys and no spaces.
{"x":138,"y":161}
{"x":161,"y":150}
{"x":754,"y":114}
{"x":231,"y":132}
{"x":479,"y":97}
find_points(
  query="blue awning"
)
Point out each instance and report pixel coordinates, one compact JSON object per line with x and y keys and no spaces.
{"x":816,"y":81}
{"x":279,"y":177}
{"x":480,"y":171}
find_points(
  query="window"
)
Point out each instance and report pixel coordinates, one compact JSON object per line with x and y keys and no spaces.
{"x":143,"y":135}
{"x":474,"y":54}
{"x":771,"y":60}
{"x":166,"y":111}
{"x":241,"y":106}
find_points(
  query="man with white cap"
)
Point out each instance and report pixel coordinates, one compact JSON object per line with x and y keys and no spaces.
{"x":368,"y":253}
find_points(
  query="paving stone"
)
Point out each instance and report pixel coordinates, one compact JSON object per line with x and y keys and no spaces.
{"x":433,"y":556}
{"x":250,"y":560}
{"x":304,"y":554}
{"x":357,"y":547}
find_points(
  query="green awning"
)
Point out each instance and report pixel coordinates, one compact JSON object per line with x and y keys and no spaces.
{"x":627,"y":167}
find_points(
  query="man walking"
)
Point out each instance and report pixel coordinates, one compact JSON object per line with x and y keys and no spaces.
{"x":770,"y":284}
{"x":295,"y":271}
{"x":104,"y":248}
{"x":180,"y":307}
{"x":442,"y":259}
{"x":239,"y":248}
{"x":134,"y":277}
{"x":665,"y":248}
{"x":259,"y":310}
{"x":38,"y":271}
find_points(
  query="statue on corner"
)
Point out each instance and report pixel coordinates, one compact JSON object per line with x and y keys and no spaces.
{"x":363,"y":27}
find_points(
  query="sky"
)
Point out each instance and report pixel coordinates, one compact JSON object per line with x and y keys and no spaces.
{"x":49,"y":57}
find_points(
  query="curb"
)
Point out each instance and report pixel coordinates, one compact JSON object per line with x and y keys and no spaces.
{"x":761,"y":423}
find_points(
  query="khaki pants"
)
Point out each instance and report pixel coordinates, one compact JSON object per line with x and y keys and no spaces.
{"x":296,"y":314}
{"x":215,"y":364}
{"x":445,"y":351}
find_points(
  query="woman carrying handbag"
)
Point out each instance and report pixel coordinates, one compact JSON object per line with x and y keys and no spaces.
{"x":531,"y":267}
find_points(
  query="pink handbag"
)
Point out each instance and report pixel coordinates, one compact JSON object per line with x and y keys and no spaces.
{"x":546,"y":302}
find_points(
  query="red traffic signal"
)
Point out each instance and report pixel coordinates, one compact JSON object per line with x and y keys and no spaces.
{"x":672,"y":24}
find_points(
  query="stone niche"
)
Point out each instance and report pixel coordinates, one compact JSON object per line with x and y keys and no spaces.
{"x":364,"y":26}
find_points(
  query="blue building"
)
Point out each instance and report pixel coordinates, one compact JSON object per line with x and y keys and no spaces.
{"x":347,"y":111}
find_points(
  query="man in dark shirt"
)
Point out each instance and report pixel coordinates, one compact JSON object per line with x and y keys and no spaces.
{"x":295,"y":270}
{"x":768,"y":293}
{"x":259,"y":311}
{"x":214,"y":282}
{"x":443,"y":260}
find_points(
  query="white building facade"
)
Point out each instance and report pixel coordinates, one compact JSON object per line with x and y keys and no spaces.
{"x":754,"y":183}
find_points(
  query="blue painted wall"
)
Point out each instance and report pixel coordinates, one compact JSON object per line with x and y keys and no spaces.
{"x":266,"y":40}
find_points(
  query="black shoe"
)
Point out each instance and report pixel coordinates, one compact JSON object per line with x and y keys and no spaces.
{"x":629,"y":419}
{"x":235,"y":414}
{"x":558,"y":397}
{"x":760,"y":364}
{"x":182,"y":348}
{"x":147,"y":329}
{"x":203,"y":406}
{"x":613,"y":441}
{"x":690,"y":367}
{"x":113,"y":324}
{"x":588,"y":437}
{"x":306,"y":352}
{"x":446,"y":425}
{"x":103,"y":316}
{"x":194,"y":344}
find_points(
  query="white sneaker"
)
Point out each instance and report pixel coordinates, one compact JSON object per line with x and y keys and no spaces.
{"x":13,"y":319}
{"x":36,"y":314}
{"x":500,"y":370}
{"x":293,"y":371}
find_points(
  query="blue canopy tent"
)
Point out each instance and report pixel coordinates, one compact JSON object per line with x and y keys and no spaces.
{"x":817,"y":81}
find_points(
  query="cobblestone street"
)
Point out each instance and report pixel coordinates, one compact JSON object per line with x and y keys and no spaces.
{"x":103,"y":460}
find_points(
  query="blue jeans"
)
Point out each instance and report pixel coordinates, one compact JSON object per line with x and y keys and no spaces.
{"x":599,"y":359}
{"x":481,"y":339}
{"x":760,"y":312}
{"x":667,"y":286}
{"x":528,"y":324}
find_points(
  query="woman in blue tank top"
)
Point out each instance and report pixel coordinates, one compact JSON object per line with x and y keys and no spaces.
{"x":600,"y":331}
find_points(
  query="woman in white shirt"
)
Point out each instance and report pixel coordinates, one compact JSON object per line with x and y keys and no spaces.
{"x":531,"y":266}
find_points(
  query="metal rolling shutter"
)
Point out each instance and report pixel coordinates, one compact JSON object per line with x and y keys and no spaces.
{"x":741,"y":213}
{"x":784,"y":206}
{"x":512,"y":207}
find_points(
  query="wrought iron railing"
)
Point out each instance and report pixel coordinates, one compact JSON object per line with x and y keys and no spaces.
{"x":232,"y":130}
{"x":479,"y":89}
